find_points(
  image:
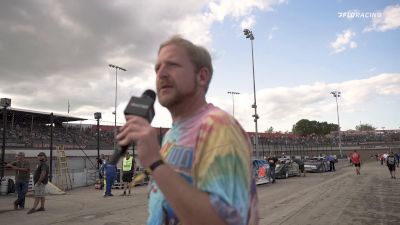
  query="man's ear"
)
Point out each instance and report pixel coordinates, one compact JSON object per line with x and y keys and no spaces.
{"x":203,"y":77}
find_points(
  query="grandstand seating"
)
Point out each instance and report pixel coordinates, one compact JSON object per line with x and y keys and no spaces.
{"x":77,"y":136}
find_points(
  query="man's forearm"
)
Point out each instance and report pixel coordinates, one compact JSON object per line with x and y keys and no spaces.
{"x":191,"y":205}
{"x":22,"y":169}
{"x":42,"y":177}
{"x":17,"y":168}
{"x":40,"y":180}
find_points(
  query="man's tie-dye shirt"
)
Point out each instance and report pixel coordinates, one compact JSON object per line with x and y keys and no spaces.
{"x":212,"y":152}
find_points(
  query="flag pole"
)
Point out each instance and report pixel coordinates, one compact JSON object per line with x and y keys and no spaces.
{"x":68,"y":106}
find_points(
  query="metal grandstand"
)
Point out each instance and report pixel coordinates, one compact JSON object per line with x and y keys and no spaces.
{"x":15,"y":115}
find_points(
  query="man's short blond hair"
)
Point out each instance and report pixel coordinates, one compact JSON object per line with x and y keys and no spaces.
{"x":198,"y":55}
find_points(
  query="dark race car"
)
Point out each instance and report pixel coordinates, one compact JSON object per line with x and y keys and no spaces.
{"x":316,"y":165}
{"x":260,"y":171}
{"x":286,"y":168}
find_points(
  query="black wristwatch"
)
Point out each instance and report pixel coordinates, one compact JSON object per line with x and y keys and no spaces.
{"x":156,"y":164}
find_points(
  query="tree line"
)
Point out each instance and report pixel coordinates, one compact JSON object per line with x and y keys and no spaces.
{"x":308,"y":127}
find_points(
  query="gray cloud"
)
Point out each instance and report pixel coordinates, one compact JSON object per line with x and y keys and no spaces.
{"x":52,"y":51}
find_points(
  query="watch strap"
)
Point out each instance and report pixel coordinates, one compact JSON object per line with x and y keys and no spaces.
{"x":156,"y":164}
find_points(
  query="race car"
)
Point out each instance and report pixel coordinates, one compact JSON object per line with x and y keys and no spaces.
{"x":286,"y":168}
{"x":316,"y":165}
{"x":260,"y":171}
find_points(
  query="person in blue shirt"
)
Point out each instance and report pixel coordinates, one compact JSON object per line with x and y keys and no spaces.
{"x":397,"y":156}
{"x":109,"y":173}
{"x":331,"y":159}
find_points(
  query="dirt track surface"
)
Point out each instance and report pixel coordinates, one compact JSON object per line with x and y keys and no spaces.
{"x":329,"y":198}
{"x":339,"y":197}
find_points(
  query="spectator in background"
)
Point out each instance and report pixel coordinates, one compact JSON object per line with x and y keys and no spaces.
{"x":349,"y":157}
{"x":385,"y":155}
{"x":381,"y":158}
{"x":356,"y":160}
{"x":109,"y":173}
{"x":331,"y":159}
{"x":40,"y":179}
{"x":22,"y":169}
{"x":300,"y":162}
{"x":397,"y":156}
{"x":101,"y":161}
{"x":391,"y":164}
{"x":272,"y":160}
{"x":128,"y":167}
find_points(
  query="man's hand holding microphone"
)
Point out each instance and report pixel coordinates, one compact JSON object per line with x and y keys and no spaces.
{"x":139,"y":113}
{"x":139,"y":131}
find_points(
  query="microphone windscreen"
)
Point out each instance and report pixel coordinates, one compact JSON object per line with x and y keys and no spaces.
{"x":150,"y":93}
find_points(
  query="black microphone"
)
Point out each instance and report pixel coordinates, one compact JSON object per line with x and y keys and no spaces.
{"x":142,"y":106}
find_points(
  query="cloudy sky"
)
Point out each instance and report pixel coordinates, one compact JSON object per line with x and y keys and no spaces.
{"x":52,"y":52}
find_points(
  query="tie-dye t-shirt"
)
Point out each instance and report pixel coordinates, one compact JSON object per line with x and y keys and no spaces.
{"x":212,"y":152}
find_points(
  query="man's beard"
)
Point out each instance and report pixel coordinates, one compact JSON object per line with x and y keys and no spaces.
{"x":178,"y":97}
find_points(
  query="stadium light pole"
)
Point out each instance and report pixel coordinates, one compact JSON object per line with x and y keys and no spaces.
{"x":51,"y":147}
{"x":97,"y":116}
{"x":4,"y":102}
{"x":336,"y":95}
{"x":233,"y":93}
{"x":116,"y":94}
{"x":249,"y":34}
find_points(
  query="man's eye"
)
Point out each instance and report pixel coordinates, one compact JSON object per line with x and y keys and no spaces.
{"x":173,"y":64}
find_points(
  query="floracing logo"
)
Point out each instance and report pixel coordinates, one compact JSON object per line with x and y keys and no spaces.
{"x":357,"y":14}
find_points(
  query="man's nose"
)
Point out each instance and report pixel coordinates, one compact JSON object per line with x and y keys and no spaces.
{"x":162,"y":72}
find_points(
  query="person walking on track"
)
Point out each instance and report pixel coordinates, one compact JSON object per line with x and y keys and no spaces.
{"x":356,"y":160}
{"x":391,"y":164}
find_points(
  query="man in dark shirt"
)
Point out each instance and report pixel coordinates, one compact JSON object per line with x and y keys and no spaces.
{"x":301,"y":165}
{"x":391,"y":164}
{"x":272,"y":164}
{"x":22,"y":169}
{"x":40,"y":179}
